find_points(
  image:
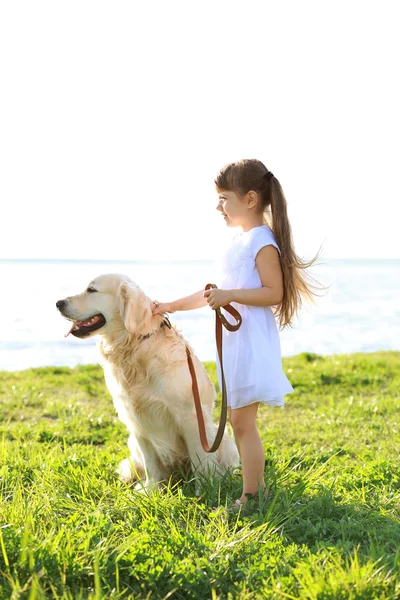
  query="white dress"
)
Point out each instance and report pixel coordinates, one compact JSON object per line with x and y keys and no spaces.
{"x":252,"y":355}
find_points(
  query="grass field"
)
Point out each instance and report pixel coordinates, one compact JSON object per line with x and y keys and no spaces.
{"x":70,"y":529}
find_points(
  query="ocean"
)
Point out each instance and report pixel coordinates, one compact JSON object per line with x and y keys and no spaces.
{"x":360,"y":311}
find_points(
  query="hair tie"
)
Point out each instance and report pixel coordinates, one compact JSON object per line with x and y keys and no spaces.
{"x":269,"y":175}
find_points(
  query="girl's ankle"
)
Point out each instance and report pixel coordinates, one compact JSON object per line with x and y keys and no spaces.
{"x":248,"y":495}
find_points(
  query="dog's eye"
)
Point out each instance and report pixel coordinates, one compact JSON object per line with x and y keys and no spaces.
{"x":91,"y":290}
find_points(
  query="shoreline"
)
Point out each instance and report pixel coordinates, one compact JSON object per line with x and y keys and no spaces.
{"x":308,"y":356}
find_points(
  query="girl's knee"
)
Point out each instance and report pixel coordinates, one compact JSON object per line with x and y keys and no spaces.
{"x":243,"y":418}
{"x":240,"y":425}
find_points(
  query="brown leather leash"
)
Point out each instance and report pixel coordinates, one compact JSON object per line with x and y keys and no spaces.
{"x":219,"y":321}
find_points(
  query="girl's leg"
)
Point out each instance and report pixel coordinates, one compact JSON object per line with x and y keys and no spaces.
{"x":230,"y":421}
{"x":251,"y":450}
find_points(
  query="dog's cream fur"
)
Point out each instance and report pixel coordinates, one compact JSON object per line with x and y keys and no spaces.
{"x":150,"y":384}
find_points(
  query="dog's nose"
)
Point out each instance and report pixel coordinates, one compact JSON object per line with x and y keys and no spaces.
{"x":60,"y":304}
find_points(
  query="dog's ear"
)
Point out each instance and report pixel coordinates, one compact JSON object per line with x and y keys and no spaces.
{"x":134,"y":308}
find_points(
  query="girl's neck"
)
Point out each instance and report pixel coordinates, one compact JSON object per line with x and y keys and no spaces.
{"x":251,"y":224}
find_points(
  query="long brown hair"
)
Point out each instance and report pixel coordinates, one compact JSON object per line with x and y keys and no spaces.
{"x":251,"y":174}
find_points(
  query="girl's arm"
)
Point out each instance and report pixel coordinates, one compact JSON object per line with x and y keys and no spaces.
{"x":270,"y":271}
{"x":270,"y":294}
{"x":263,"y":296}
{"x":196,"y":300}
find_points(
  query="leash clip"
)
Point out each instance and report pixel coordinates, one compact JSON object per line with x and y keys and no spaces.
{"x":166,"y":321}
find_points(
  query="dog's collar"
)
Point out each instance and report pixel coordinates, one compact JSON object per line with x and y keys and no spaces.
{"x":164,"y":322}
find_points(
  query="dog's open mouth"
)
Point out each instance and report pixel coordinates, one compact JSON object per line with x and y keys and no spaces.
{"x":83,"y":328}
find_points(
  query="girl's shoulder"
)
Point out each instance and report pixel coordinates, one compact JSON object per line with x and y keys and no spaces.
{"x":262,"y":236}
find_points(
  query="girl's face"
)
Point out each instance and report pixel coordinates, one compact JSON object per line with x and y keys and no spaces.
{"x":233,"y":208}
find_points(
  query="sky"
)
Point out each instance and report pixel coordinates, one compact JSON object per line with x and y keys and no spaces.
{"x":115,"y":117}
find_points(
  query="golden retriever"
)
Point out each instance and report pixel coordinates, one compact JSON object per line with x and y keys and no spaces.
{"x":146,"y":371}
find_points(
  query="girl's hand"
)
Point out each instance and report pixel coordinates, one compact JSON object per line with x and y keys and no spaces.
{"x":160,"y":308}
{"x":217,"y":298}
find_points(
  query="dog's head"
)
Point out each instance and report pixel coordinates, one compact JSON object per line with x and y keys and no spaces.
{"x":109,"y":304}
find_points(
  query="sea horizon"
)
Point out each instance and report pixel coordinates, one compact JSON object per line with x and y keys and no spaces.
{"x":358,"y":311}
{"x":187,"y":260}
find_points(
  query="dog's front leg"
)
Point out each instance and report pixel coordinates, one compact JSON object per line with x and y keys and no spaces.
{"x":152,"y":466}
{"x":205,"y":465}
{"x":132,"y":468}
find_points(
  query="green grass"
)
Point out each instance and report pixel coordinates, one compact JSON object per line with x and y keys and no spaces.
{"x":69,"y":529}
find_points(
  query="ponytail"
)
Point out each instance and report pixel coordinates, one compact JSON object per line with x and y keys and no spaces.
{"x":296,"y":282}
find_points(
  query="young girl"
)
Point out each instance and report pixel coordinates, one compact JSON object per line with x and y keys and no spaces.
{"x":260,"y":271}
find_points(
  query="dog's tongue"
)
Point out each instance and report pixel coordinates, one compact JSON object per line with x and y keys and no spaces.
{"x":67,"y":334}
{"x":74,"y":324}
{"x":86,"y":322}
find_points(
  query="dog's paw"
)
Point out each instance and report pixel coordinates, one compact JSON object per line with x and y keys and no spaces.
{"x":146,"y":487}
{"x":140,"y":487}
{"x":124,"y":471}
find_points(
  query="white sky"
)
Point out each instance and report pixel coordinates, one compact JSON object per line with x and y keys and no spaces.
{"x":116,"y":116}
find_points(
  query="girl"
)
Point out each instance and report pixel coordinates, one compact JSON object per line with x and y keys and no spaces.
{"x":260,"y":271}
